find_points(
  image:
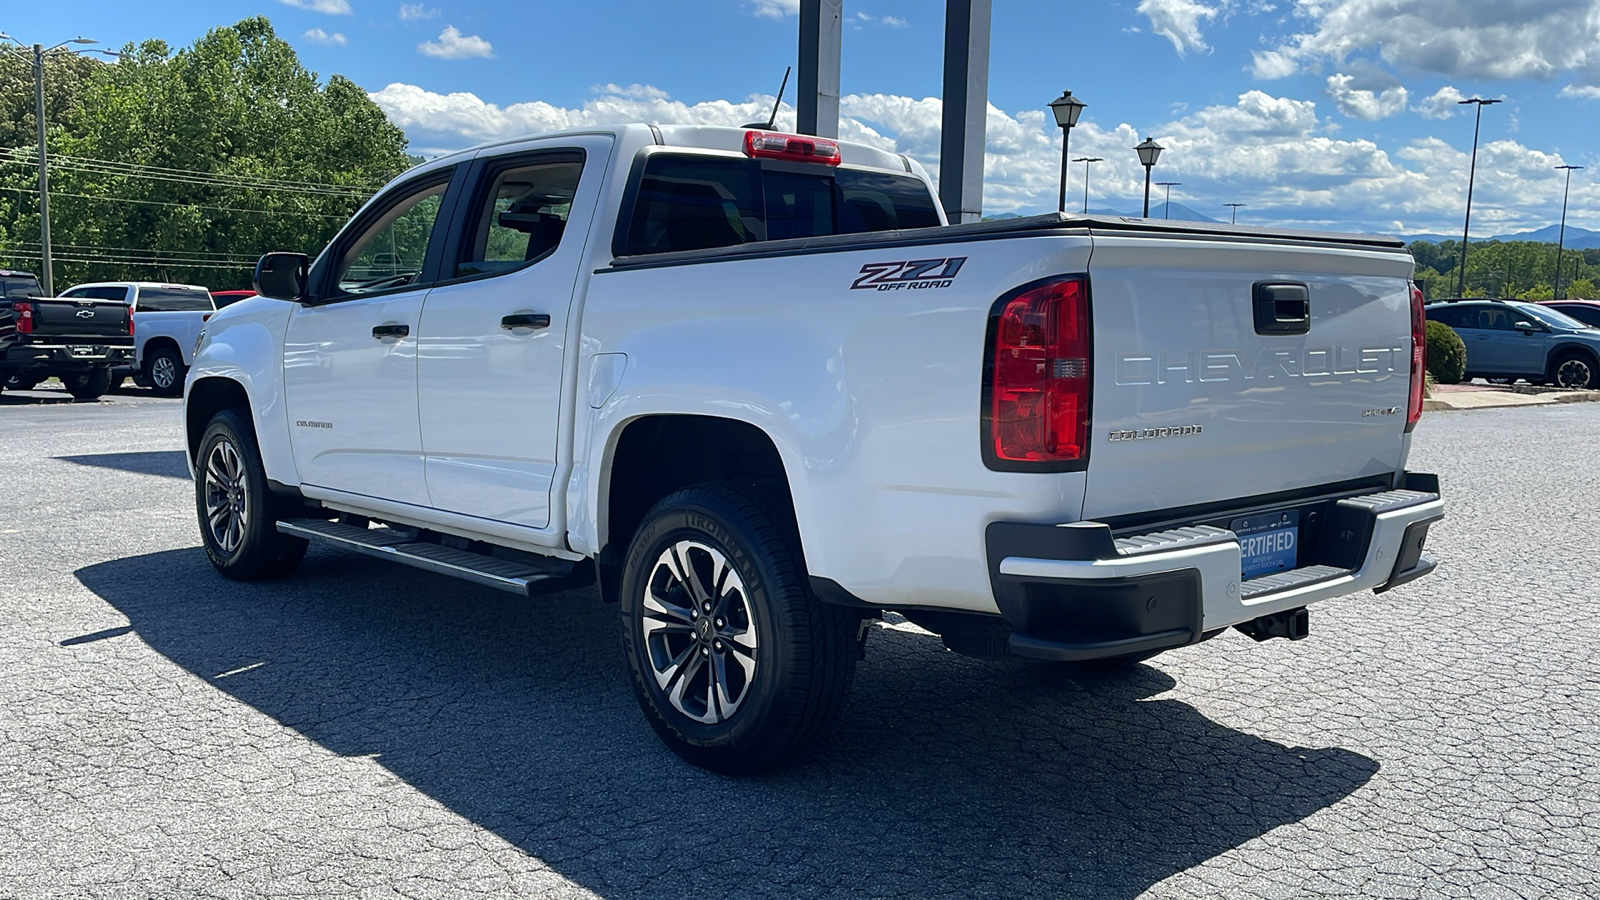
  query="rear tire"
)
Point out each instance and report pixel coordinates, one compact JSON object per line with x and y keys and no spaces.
{"x":737,"y":665}
{"x":237,"y":512}
{"x":20,"y":381}
{"x":1574,"y":369}
{"x":165,"y":371}
{"x":90,"y":385}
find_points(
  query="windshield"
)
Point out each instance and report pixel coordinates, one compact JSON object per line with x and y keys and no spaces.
{"x":1549,"y":316}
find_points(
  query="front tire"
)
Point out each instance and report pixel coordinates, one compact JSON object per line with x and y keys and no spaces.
{"x":737,"y":665}
{"x":165,"y":371}
{"x":235,"y":508}
{"x":90,"y":385}
{"x":1574,"y":369}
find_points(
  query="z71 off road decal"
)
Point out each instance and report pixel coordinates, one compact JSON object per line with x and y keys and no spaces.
{"x":915,"y":274}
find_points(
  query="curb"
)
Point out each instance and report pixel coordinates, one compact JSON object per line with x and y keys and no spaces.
{"x":1501,"y":399}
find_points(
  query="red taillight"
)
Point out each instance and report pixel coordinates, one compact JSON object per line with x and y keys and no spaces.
{"x":130,"y":321}
{"x":793,"y":147}
{"x":1419,"y":357}
{"x":1039,"y":375}
{"x":24,"y":313}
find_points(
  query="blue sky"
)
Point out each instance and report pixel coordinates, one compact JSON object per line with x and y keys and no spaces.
{"x":1316,"y":113}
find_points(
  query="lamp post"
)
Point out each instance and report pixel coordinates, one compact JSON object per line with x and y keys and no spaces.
{"x":1561,"y":241}
{"x":1169,"y":185}
{"x":1234,"y":219}
{"x":1067,"y":108}
{"x":1149,"y":152}
{"x":1472,"y":173}
{"x":38,"y":52}
{"x":1086,"y":160}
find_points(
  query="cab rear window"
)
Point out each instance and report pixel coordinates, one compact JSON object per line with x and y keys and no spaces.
{"x":173,"y":300}
{"x":696,"y":202}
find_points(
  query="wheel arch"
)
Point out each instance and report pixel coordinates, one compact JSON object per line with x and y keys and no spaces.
{"x":207,"y":397}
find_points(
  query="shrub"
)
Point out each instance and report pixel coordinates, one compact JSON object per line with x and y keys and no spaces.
{"x":1447,"y":354}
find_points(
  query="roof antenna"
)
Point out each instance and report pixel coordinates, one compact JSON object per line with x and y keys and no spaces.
{"x":772,"y":119}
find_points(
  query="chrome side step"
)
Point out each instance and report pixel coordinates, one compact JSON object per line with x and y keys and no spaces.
{"x":384,"y":543}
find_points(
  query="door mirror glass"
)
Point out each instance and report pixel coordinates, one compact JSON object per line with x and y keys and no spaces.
{"x":1526,"y":327}
{"x":390,"y":251}
{"x":282,"y":276}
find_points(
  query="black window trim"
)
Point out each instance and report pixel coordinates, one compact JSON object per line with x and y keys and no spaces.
{"x":325,"y":292}
{"x":479,"y":177}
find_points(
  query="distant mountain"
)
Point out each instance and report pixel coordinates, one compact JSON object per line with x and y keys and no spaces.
{"x":1577,"y":238}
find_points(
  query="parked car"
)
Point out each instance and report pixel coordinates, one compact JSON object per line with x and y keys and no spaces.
{"x":1585,"y":311}
{"x":754,"y":385}
{"x":167,"y":319}
{"x":77,"y":341}
{"x":224,"y":298}
{"x":1510,"y":339}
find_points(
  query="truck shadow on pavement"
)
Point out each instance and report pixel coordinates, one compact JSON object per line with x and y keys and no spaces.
{"x":168,"y":463}
{"x":947,"y":776}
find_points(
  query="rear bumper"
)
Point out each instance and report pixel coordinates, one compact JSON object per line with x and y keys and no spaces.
{"x":65,"y":355}
{"x":1075,"y":591}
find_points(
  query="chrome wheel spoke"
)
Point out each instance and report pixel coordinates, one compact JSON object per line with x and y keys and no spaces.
{"x":227,"y":506}
{"x":695,"y":616}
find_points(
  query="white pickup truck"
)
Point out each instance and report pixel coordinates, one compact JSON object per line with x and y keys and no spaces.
{"x":167,"y":319}
{"x":755,"y":386}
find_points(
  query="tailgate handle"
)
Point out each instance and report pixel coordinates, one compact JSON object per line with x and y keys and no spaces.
{"x":1282,"y":308}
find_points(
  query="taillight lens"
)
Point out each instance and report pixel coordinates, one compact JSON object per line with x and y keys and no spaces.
{"x":24,"y":315}
{"x":1038,"y":407}
{"x":1419,"y":357}
{"x":791,"y":147}
{"x":130,"y":321}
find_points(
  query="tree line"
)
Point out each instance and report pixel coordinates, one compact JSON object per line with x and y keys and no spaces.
{"x":186,"y":165}
{"x":1521,"y":270}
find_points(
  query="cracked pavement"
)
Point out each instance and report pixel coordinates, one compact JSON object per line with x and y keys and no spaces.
{"x":366,"y":730}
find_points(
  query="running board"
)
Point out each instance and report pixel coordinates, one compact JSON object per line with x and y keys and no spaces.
{"x":384,"y":543}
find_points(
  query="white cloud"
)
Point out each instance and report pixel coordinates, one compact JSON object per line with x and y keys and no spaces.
{"x":322,"y":37}
{"x":1484,"y":40}
{"x":1363,"y":103}
{"x":1581,"y":91}
{"x":1179,"y":22}
{"x":895,"y":22}
{"x":1441,"y":104}
{"x":775,"y":9}
{"x":452,"y":44}
{"x":861,"y":20}
{"x":331,"y":7}
{"x":417,"y":12}
{"x":1275,"y":153}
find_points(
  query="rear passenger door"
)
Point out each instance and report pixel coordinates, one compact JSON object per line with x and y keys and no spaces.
{"x":494,"y":335}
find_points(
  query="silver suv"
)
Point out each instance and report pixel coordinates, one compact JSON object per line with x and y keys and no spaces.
{"x":1509,"y":339}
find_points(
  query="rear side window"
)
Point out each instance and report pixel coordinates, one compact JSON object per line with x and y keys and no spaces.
{"x":173,"y":299}
{"x":1454,"y":316}
{"x":696,"y":202}
{"x":12,"y":287}
{"x":524,"y":215}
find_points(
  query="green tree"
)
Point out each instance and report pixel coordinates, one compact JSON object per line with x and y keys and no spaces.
{"x":282,"y":161}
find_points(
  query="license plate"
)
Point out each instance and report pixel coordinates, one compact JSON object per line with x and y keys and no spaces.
{"x":1268,"y":543}
{"x":82,"y":351}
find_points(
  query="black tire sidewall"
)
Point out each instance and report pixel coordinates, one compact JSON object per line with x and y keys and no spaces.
{"x":90,"y":385}
{"x":707,"y":523}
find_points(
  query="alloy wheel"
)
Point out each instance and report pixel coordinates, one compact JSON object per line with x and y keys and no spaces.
{"x":699,"y":631}
{"x":163,"y":372}
{"x":227,"y":512}
{"x":1574,"y":373}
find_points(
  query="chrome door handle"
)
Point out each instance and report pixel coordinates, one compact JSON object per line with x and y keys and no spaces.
{"x":525,"y":320}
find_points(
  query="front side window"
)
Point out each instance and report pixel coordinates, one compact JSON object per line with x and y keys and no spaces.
{"x":523,"y":216}
{"x":389,"y":253}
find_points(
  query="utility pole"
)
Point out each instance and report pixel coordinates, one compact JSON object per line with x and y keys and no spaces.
{"x":1169,"y":185}
{"x":1234,"y":220}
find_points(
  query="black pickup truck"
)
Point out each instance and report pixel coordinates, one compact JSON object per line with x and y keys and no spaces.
{"x":77,"y":341}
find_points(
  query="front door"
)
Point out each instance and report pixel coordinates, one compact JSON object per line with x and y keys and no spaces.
{"x":350,"y":356}
{"x":494,"y":332}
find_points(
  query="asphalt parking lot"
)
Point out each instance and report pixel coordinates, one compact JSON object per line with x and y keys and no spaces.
{"x":367,"y":730}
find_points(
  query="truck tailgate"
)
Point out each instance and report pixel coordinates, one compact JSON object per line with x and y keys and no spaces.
{"x":1196,"y":402}
{"x":90,"y":320}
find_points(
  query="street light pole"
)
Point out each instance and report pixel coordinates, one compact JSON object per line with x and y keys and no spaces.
{"x":1149,"y":152}
{"x":1086,"y":160}
{"x":1169,"y":185}
{"x":1234,"y":219}
{"x":39,"y":52}
{"x":1067,"y":109}
{"x":1561,"y":242}
{"x":1472,"y":174}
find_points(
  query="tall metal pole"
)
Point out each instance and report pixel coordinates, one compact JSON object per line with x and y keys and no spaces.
{"x":44,"y":173}
{"x":1234,"y":219}
{"x":817,"y":94}
{"x":1472,"y":174}
{"x":1147,"y":192}
{"x":1561,"y":242}
{"x":1066,"y":139}
{"x":964,"y":120}
{"x":1087,"y":160}
{"x":1169,"y":185}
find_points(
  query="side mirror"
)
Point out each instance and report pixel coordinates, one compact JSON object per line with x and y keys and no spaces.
{"x":1526,"y":327}
{"x":282,"y":276}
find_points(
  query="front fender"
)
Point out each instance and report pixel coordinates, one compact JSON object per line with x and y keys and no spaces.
{"x":244,"y":343}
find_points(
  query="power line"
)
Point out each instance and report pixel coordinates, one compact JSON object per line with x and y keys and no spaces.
{"x":266,"y":212}
{"x":98,"y":247}
{"x":169,"y":173}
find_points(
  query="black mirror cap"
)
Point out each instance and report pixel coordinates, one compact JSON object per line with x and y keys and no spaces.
{"x":282,"y":276}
